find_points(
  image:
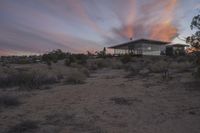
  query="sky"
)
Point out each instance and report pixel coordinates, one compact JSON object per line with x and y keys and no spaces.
{"x":38,"y":26}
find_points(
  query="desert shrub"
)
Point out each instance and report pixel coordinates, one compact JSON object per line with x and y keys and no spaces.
{"x":59,"y":76}
{"x":34,"y":80}
{"x":76,"y":65}
{"x":122,"y":101}
{"x":26,"y":80}
{"x":4,"y":64}
{"x":98,"y":63}
{"x":158,"y":67}
{"x":197,"y":73}
{"x":6,"y":81}
{"x":24,"y":127}
{"x":69,"y":60}
{"x":180,"y":66}
{"x":182,"y":59}
{"x":102,"y":63}
{"x":75,"y":77}
{"x":49,"y":64}
{"x":126,"y":58}
{"x":196,"y":58}
{"x":81,"y":58}
{"x":54,"y":56}
{"x":85,"y":71}
{"x":133,"y":69}
{"x":8,"y":101}
{"x":76,"y":58}
{"x":133,"y":66}
{"x":92,"y":65}
{"x":117,"y":65}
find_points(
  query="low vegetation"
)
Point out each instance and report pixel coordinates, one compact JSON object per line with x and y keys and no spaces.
{"x":26,"y":80}
{"x":75,"y":77}
{"x":159,"y":67}
{"x":122,"y":100}
{"x":27,"y":126}
{"x":9,"y":101}
{"x":126,"y":58}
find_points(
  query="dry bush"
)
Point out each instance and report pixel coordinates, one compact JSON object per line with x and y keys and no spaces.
{"x":117,"y":65}
{"x":183,"y":59}
{"x":85,"y":71}
{"x":75,"y":77}
{"x":126,"y":58}
{"x":91,"y":65}
{"x":76,"y":65}
{"x":137,"y":66}
{"x":102,"y":63}
{"x":159,"y":67}
{"x":124,"y":101}
{"x":9,"y":101}
{"x":26,"y":80}
{"x":197,"y":73}
{"x":133,"y":69}
{"x":180,"y":66}
{"x":27,"y":126}
{"x":95,"y":64}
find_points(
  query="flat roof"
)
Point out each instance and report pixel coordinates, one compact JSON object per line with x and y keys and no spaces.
{"x":157,"y":42}
{"x":178,"y":45}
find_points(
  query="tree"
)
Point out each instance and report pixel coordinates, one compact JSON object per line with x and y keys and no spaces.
{"x":101,"y":54}
{"x":194,"y":40}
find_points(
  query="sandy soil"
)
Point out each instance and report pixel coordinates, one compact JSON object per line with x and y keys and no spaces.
{"x":110,"y":103}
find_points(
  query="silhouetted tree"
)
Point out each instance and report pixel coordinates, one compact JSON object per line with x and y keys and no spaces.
{"x":101,"y":54}
{"x":194,"y":40}
{"x":54,"y":56}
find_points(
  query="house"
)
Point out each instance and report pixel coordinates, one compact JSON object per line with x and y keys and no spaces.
{"x":176,"y":49}
{"x":140,"y":47}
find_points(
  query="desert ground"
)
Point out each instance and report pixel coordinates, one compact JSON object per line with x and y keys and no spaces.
{"x":145,"y":95}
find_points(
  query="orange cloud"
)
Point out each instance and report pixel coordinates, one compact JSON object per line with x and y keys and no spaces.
{"x":153,"y":19}
{"x":164,"y":29}
{"x":128,"y":30}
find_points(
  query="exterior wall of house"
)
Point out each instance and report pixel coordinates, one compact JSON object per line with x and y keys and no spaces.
{"x":152,"y":49}
{"x":141,"y":49}
{"x":175,"y":50}
{"x":121,"y":51}
{"x":148,"y":48}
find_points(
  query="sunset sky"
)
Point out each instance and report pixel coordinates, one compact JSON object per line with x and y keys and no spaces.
{"x":37,"y":26}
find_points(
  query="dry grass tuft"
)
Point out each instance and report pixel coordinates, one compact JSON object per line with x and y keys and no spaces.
{"x":9,"y":101}
{"x":85,"y":71}
{"x":159,"y":67}
{"x":121,"y":101}
{"x":180,"y":66}
{"x":27,"y":80}
{"x":117,"y":65}
{"x":24,"y":127}
{"x":75,"y":77}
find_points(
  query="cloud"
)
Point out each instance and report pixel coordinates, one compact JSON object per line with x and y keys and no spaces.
{"x":80,"y":25}
{"x":153,"y":19}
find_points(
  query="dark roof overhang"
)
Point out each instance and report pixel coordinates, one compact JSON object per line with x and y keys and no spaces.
{"x":127,"y":44}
